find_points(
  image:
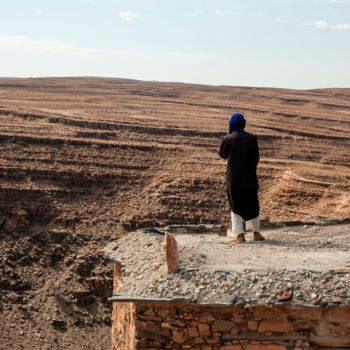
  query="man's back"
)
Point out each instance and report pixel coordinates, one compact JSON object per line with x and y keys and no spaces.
{"x":241,"y":150}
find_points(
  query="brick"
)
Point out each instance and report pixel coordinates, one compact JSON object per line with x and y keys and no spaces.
{"x":152,"y":332}
{"x":206,"y":347}
{"x":178,"y":337}
{"x":204,"y":329}
{"x":206,"y":318}
{"x":222,"y":326}
{"x":231,"y":347}
{"x":188,"y":316}
{"x":228,"y":336}
{"x":198,"y":340}
{"x":213,"y":340}
{"x":163,"y":313}
{"x":149,"y":312}
{"x":276,"y":324}
{"x":239,"y":318}
{"x":275,"y":347}
{"x":193,"y":332}
{"x":255,"y":347}
{"x":253,"y":325}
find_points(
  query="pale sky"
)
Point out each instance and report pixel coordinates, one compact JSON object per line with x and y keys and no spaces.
{"x":279,"y":43}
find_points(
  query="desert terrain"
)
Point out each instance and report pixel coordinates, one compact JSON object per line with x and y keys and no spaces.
{"x":84,"y":160}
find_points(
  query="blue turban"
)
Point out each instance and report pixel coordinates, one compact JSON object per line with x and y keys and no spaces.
{"x":236,"y":121}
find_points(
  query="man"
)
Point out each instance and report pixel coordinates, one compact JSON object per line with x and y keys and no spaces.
{"x":241,"y":150}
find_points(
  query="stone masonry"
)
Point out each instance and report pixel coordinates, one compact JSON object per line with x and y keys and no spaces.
{"x":158,"y":325}
{"x":198,"y":307}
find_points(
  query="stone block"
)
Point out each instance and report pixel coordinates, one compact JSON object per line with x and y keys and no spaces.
{"x":213,"y":340}
{"x":149,"y":318}
{"x":222,"y":326}
{"x":171,"y":253}
{"x":239,"y":318}
{"x":178,"y":337}
{"x":253,"y":325}
{"x":193,"y":332}
{"x":149,"y":312}
{"x":188,"y":316}
{"x":152,"y":332}
{"x":275,"y":347}
{"x":276,"y":324}
{"x":231,"y":347}
{"x":255,"y":347}
{"x":206,"y":347}
{"x":228,"y":336}
{"x":163,"y":313}
{"x":204,"y":329}
{"x":206,"y":318}
{"x":198,"y":340}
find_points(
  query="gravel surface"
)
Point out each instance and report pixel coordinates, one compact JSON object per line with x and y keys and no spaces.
{"x":311,"y":261}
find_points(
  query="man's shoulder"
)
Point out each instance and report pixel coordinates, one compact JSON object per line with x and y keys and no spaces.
{"x":238,"y":135}
{"x":250,"y":135}
{"x":243,"y":134}
{"x":228,"y":137}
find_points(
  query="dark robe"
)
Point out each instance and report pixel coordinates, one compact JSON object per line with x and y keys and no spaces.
{"x":241,"y":150}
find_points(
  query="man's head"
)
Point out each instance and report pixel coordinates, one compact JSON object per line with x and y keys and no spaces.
{"x":237,"y":121}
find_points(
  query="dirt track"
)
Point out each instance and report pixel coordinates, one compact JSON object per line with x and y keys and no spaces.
{"x":84,"y":160}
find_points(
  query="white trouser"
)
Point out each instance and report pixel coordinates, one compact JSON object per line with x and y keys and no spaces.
{"x":238,"y":224}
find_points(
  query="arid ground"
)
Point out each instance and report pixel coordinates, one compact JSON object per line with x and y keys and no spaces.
{"x":85,"y":160}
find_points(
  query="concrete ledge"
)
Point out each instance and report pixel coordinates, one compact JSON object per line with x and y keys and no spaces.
{"x":123,"y":298}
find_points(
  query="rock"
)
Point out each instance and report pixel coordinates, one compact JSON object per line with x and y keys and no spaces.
{"x":152,"y":332}
{"x":317,"y":301}
{"x":239,"y":302}
{"x":287,"y":294}
{"x":178,"y":337}
{"x":313,"y":296}
{"x":58,"y":324}
{"x":253,"y":325}
{"x":204,"y":329}
{"x":83,"y":297}
{"x":193,"y":332}
{"x":222,"y":326}
{"x":277,"y":324}
{"x":228,"y":336}
{"x":171,"y":253}
{"x":335,"y":279}
{"x":22,"y":217}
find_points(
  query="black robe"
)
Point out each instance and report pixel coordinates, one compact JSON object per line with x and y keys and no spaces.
{"x":241,"y":150}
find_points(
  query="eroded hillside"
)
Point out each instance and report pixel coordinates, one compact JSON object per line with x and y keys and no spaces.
{"x":83,"y":160}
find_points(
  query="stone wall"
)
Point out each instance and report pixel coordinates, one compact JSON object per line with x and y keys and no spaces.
{"x":123,"y":326}
{"x":142,"y":325}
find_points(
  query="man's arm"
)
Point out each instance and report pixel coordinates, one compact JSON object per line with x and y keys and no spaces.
{"x":223,"y":151}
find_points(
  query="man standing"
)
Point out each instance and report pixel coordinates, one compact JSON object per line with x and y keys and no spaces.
{"x":241,"y":150}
